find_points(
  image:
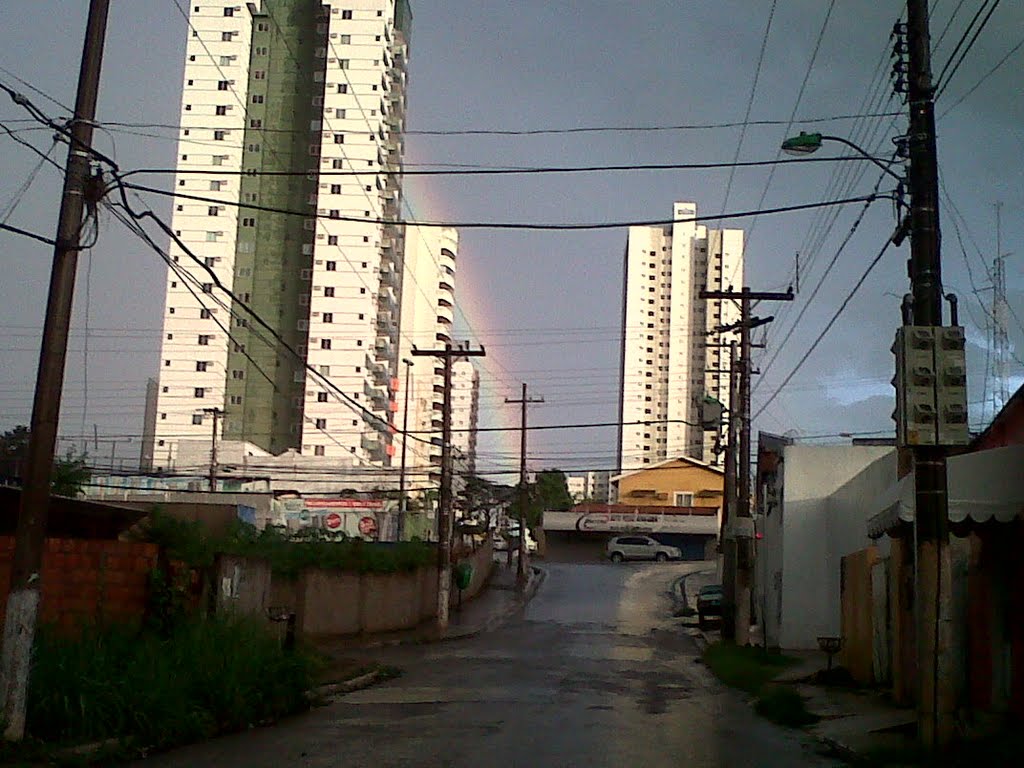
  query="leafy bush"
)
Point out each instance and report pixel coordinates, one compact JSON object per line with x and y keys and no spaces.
{"x":189,"y":542}
{"x":208,"y":676}
{"x":783,"y":705}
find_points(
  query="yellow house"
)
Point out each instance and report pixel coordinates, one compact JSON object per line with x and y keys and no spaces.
{"x":680,"y":482}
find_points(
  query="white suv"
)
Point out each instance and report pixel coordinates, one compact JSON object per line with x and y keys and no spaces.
{"x":641,"y":548}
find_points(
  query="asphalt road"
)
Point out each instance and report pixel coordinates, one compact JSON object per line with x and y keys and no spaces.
{"x":594,"y":673}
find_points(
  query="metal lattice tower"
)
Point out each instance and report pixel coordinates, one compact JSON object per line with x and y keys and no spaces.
{"x":1000,"y":319}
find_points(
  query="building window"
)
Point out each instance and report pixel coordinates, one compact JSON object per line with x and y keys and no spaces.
{"x":257,"y":98}
{"x":201,"y":366}
{"x":204,"y":340}
{"x":334,"y":213}
{"x":335,"y":190}
{"x":329,"y":291}
{"x":255,"y":123}
{"x":325,"y":343}
{"x":212,"y":210}
{"x":321,"y":397}
{"x":346,"y":14}
{"x":321,"y":423}
{"x":227,"y":37}
{"x":259,"y":74}
{"x":238,"y":374}
{"x":229,"y":11}
{"x":205,"y":314}
{"x":247,"y":222}
{"x":197,"y":418}
{"x":207,"y":287}
{"x":331,"y":266}
{"x":328,"y":318}
{"x":236,"y":399}
{"x":318,"y":450}
{"x":219,"y":135}
{"x":342,"y":87}
{"x":222,"y":85}
{"x":199,"y":392}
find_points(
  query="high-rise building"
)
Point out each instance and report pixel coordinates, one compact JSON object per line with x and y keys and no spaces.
{"x":428,"y":313}
{"x":465,"y":413}
{"x":296,"y":106}
{"x":673,"y":355}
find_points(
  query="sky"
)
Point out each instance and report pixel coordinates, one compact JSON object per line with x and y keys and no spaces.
{"x":546,"y":305}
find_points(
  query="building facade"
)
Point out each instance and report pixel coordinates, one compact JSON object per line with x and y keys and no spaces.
{"x":298,"y":107}
{"x":428,"y":314}
{"x":465,"y":413}
{"x":673,"y":355}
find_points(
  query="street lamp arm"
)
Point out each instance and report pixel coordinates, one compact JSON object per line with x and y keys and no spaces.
{"x":866,"y":155}
{"x":807,"y":143}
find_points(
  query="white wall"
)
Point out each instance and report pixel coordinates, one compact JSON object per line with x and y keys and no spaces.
{"x":824,"y":516}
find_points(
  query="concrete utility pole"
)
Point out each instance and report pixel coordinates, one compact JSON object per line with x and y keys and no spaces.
{"x":935,"y":685}
{"x":741,"y":524}
{"x":216,"y":413}
{"x":445,"y":521}
{"x":521,"y":565}
{"x":23,"y":599}
{"x":403,"y":502}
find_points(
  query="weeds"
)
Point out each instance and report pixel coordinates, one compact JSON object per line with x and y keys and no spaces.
{"x":207,"y":676}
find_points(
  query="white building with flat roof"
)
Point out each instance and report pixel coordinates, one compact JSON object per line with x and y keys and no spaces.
{"x":672,"y":356}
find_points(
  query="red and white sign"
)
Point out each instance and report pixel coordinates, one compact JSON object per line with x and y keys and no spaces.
{"x":343,"y":503}
{"x":333,"y":521}
{"x":368,"y":526}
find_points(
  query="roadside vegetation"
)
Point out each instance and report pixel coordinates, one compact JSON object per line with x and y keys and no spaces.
{"x":752,"y":670}
{"x":191,"y":544}
{"x":132,"y":690}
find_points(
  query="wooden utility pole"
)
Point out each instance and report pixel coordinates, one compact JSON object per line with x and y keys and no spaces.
{"x":934,"y":635}
{"x":523,"y":500}
{"x":741,"y":523}
{"x":445,"y":518}
{"x":216,"y":413}
{"x":728,"y":541}
{"x":23,"y":599}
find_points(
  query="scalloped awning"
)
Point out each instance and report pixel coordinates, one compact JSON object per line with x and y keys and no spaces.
{"x":982,"y":486}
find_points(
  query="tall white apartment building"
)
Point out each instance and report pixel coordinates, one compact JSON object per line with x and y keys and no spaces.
{"x":465,"y":413}
{"x":427,"y":317}
{"x":672,"y":355}
{"x":296,"y":106}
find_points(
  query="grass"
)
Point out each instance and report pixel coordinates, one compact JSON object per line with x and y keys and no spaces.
{"x":190,"y":543}
{"x":208,"y":676}
{"x":752,"y":670}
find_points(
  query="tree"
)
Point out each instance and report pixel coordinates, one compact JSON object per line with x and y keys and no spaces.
{"x":69,"y":476}
{"x":548,"y":492}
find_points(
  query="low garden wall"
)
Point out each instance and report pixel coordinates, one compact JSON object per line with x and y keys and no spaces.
{"x":334,"y":602}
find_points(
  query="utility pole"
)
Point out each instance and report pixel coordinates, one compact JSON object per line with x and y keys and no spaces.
{"x":522,"y":402}
{"x":216,"y":413}
{"x":23,"y":599}
{"x":741,"y":523}
{"x":445,"y":518}
{"x":934,"y":636}
{"x":403,"y":503}
{"x":728,"y":541}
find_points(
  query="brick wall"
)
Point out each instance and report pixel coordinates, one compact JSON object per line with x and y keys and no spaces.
{"x":87,"y":580}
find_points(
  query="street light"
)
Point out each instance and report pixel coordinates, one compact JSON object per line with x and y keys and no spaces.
{"x":402,"y":502}
{"x":807,"y":143}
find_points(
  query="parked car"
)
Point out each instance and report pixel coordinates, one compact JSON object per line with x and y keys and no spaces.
{"x":641,"y":548}
{"x":709,"y":603}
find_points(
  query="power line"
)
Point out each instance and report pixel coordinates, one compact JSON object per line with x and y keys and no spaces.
{"x":503,"y":225}
{"x":826,"y":329}
{"x":967,"y":94}
{"x":942,"y":81}
{"x":750,"y":102}
{"x":26,"y":233}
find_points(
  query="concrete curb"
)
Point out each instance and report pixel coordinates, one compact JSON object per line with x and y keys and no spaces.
{"x":357,"y":683}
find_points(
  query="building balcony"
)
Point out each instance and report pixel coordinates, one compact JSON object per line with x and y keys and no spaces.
{"x":377,"y":394}
{"x":384,"y":349}
{"x":374,"y":445}
{"x":387,"y":301}
{"x":445,"y":314}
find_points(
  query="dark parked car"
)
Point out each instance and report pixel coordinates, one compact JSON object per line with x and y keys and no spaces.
{"x":709,"y":603}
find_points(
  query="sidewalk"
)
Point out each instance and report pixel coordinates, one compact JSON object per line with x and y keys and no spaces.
{"x":854,"y":722}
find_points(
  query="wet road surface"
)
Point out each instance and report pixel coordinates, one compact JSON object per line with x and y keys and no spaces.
{"x":595,"y":672}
